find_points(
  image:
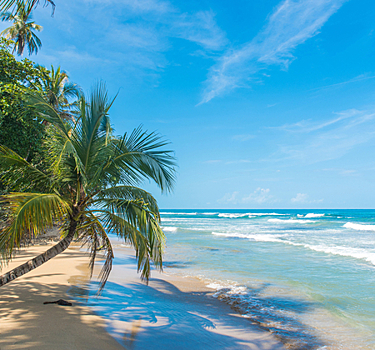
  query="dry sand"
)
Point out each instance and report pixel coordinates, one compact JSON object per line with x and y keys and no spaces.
{"x":25,"y":323}
{"x":170,"y":313}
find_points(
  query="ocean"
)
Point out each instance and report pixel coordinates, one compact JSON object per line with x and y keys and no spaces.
{"x":306,"y":275}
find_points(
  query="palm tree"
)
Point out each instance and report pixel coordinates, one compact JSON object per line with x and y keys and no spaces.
{"x":56,"y":89}
{"x":22,"y":30}
{"x":5,"y":5}
{"x":90,"y":188}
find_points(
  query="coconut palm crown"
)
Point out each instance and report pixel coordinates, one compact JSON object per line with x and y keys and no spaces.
{"x":90,"y":188}
{"x":58,"y":91}
{"x":6,"y":5}
{"x":22,"y":30}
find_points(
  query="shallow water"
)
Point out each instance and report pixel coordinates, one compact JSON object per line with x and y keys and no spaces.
{"x":307,"y":276}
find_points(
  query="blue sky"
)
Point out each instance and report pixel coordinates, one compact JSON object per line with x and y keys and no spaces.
{"x":267,"y":104}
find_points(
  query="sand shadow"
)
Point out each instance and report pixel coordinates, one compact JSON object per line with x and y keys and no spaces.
{"x":46,"y":327}
{"x":161,"y":316}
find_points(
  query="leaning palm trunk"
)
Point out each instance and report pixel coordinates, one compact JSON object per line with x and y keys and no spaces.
{"x":40,"y":259}
{"x":89,"y":186}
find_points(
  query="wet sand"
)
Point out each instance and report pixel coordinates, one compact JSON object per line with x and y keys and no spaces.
{"x":173,"y":312}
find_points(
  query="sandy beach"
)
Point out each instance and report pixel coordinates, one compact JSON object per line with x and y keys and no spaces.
{"x":170,"y":313}
{"x":26,"y":323}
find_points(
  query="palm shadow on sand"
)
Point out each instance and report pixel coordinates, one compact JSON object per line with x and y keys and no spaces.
{"x":160,"y":316}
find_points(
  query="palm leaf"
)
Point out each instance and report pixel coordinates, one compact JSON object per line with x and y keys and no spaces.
{"x":5,"y":5}
{"x":28,"y":213}
{"x":19,"y":173}
{"x":136,"y":224}
{"x":93,"y":234}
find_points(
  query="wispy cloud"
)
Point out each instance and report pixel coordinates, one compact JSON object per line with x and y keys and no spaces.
{"x":356,"y":79}
{"x":303,"y":198}
{"x":300,"y":198}
{"x":231,"y":198}
{"x":307,"y":126}
{"x":138,"y":6}
{"x":136,"y":35}
{"x":259,"y":196}
{"x":291,"y":24}
{"x":314,"y":142}
{"x":200,"y":28}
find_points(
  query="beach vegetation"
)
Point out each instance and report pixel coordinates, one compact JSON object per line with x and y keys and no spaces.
{"x":58,"y":91}
{"x":13,"y":5}
{"x":22,"y":31}
{"x":90,"y":187}
{"x":21,"y":126}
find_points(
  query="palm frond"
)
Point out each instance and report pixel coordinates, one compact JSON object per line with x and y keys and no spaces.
{"x":130,"y":193}
{"x":143,"y":152}
{"x":93,"y":234}
{"x":28,"y":213}
{"x":5,"y":5}
{"x":136,"y":224}
{"x":20,"y":174}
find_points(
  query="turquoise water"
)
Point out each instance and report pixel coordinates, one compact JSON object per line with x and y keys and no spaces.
{"x":307,"y":276}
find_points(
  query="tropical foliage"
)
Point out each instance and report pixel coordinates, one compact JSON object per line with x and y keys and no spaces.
{"x":22,"y":30}
{"x":90,"y":187}
{"x":6,"y":5}
{"x":21,"y":127}
{"x":56,"y":89}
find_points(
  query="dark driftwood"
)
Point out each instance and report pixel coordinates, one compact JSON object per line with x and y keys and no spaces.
{"x":59,"y":302}
{"x":40,"y":259}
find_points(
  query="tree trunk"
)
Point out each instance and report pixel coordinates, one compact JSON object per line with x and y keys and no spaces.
{"x":40,"y":259}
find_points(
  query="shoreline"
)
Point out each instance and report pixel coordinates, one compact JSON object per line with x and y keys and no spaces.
{"x":171,"y":312}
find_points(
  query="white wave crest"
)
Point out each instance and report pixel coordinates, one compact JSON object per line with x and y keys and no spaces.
{"x":171,"y":213}
{"x":291,"y":221}
{"x":233,"y":216}
{"x":170,"y":229}
{"x":359,"y":227}
{"x":256,"y":237}
{"x":250,"y":215}
{"x":266,"y":214}
{"x":312,"y":215}
{"x":357,"y":253}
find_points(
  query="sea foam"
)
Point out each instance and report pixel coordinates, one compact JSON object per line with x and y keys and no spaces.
{"x":312,"y":215}
{"x":359,"y":227}
{"x":170,"y":229}
{"x":292,"y":221}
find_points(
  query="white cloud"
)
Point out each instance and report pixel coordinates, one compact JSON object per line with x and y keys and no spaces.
{"x":260,"y":195}
{"x":144,"y":29}
{"x":200,"y":28}
{"x":309,"y":126}
{"x":291,"y":24}
{"x":300,"y":198}
{"x":137,"y":6}
{"x":304,"y":198}
{"x":134,"y":35}
{"x":315,"y":142}
{"x":229,"y":198}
